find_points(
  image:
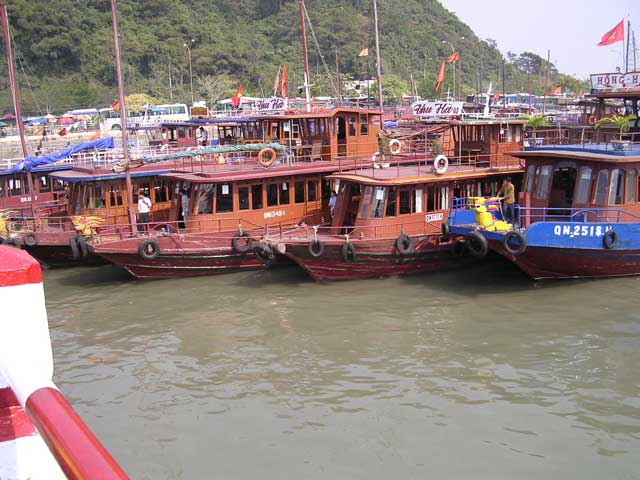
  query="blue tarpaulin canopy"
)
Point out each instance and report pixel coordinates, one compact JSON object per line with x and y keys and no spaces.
{"x":30,"y":163}
{"x":36,"y":121}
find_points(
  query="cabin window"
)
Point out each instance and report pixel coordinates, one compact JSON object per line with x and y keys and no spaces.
{"x":115,"y":197}
{"x":95,"y":197}
{"x":418,"y":200}
{"x":243,"y":198}
{"x":510,"y":129}
{"x":45,"y":186}
{"x":404,"y":203}
{"x":299,"y":196}
{"x":444,"y":198}
{"x":58,"y":185}
{"x":616,"y":187}
{"x":256,"y":196}
{"x":502,"y":136}
{"x":479,"y":188}
{"x":378,"y":203}
{"x":224,"y":198}
{"x":312,"y":191}
{"x":391,"y":202}
{"x":205,"y":204}
{"x":162,"y":191}
{"x":366,"y":198}
{"x":312,"y":127}
{"x":15,"y":186}
{"x":364,"y":125}
{"x":181,"y":132}
{"x":272,"y":195}
{"x":602,"y":185}
{"x":584,"y":184}
{"x":544,"y":181}
{"x":631,"y":185}
{"x":144,"y":188}
{"x":352,"y":126}
{"x":468,"y":190}
{"x":531,"y":175}
{"x":518,"y":132}
{"x":284,"y":196}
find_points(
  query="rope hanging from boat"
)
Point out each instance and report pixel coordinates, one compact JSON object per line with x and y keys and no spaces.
{"x":250,"y":147}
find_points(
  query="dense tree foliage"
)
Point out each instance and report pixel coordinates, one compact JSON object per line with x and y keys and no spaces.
{"x":65,"y":59}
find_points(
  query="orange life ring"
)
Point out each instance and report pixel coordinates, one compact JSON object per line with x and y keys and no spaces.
{"x":592,"y":120}
{"x":266,"y":157}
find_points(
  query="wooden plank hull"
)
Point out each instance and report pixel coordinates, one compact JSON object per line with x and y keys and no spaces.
{"x":185,"y":255}
{"x":552,"y":262}
{"x":375,"y":258}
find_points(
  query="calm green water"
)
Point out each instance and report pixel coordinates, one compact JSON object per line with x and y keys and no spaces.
{"x":476,"y":374}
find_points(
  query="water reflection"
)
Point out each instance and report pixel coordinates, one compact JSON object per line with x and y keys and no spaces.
{"x":269,"y":374}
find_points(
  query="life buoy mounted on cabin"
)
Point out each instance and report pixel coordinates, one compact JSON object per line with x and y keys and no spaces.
{"x":440,"y":164}
{"x":266,"y":157}
{"x":395,"y":147}
{"x":592,"y":120}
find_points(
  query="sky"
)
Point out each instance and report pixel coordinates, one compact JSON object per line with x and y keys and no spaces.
{"x":570,"y":29}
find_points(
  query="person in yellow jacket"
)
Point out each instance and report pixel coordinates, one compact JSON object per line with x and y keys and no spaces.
{"x":507,"y":194}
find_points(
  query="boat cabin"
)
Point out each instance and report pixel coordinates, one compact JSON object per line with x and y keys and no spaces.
{"x":15,"y":194}
{"x":571,"y":178}
{"x":408,"y":198}
{"x":324,"y":134}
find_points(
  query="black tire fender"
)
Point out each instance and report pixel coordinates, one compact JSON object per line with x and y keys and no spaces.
{"x":348,"y":252}
{"x":82,"y":247}
{"x":458,"y":249}
{"x":30,"y":239}
{"x":264,"y":253}
{"x":610,"y":239}
{"x":521,"y":244}
{"x":241,"y":242}
{"x":75,"y":250}
{"x":404,"y":244}
{"x":316,"y":248}
{"x":149,"y":249}
{"x":476,"y":244}
{"x":12,"y":242}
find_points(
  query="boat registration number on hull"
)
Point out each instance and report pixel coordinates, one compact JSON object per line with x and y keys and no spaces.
{"x":581,"y":230}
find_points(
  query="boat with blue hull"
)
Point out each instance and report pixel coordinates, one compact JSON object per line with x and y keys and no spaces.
{"x":578,"y":216}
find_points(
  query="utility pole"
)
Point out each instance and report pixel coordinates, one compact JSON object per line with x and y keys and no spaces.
{"x":546,"y":82}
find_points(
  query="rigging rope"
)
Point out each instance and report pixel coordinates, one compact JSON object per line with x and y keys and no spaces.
{"x":18,"y":56}
{"x":315,"y":41}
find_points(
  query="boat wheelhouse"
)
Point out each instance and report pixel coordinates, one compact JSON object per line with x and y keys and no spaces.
{"x":579,"y":214}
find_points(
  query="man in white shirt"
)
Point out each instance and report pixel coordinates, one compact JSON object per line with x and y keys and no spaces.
{"x":144,"y":207}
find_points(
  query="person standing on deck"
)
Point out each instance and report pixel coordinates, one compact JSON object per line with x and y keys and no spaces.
{"x":184,"y":201}
{"x":507,"y":194}
{"x":144,"y":207}
{"x":203,"y":137}
{"x":332,"y":203}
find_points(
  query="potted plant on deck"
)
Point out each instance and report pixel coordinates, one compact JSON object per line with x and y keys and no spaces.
{"x":534,"y":122}
{"x":623,"y":123}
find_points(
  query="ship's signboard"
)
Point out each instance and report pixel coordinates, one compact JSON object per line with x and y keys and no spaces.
{"x":273,"y":104}
{"x":437,"y":109}
{"x":603,"y":81}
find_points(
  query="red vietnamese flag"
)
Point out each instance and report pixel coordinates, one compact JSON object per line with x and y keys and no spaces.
{"x":63,"y":132}
{"x":496,"y":97}
{"x":453,"y":57}
{"x":616,"y":34}
{"x":116,"y":106}
{"x":440,"y":78}
{"x":96,"y":136}
{"x":237,"y":97}
{"x":277,"y":81}
{"x":284,"y":87}
{"x":556,"y":91}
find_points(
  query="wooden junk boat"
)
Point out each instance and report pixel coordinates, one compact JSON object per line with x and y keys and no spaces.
{"x":247,"y":187}
{"x":388,"y":221}
{"x":579,"y":214}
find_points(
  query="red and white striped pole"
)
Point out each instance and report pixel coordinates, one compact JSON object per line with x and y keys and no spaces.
{"x":26,"y":365}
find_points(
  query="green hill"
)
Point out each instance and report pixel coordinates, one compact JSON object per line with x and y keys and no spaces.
{"x":64,"y":49}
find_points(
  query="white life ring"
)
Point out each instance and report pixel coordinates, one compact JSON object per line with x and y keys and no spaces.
{"x":440,"y":164}
{"x":395,"y":147}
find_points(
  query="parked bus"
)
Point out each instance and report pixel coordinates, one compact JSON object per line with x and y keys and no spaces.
{"x":151,"y":115}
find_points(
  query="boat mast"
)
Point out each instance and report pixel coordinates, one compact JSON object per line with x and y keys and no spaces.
{"x":379,"y":72}
{"x":546,"y":82}
{"x":15,"y":94}
{"x":307,"y":92}
{"x":123,"y":117}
